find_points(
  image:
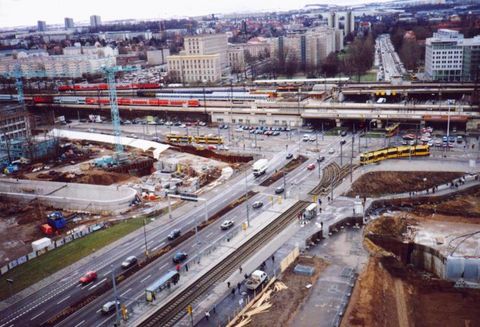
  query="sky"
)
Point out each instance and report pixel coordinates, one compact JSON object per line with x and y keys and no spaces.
{"x":28,"y":12}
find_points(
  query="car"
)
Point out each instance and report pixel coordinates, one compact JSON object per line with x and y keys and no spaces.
{"x":279,"y":190}
{"x":202,"y":123}
{"x":343,"y":133}
{"x":289,"y":156}
{"x":133,"y":136}
{"x":257,"y":204}
{"x":89,"y":277}
{"x":342,"y":142}
{"x":156,"y":139}
{"x":320,"y":159}
{"x":179,"y":257}
{"x":168,"y":123}
{"x":174,"y":234}
{"x":305,"y":138}
{"x":312,"y":138}
{"x":459,"y":139}
{"x":276,"y":133}
{"x":129,"y":262}
{"x":227,"y":224}
{"x":109,"y":307}
{"x":238,"y":129}
{"x":311,"y":166}
{"x":451,"y":139}
{"x":437,"y":142}
{"x":331,"y":151}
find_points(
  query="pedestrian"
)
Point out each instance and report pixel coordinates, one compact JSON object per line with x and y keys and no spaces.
{"x":240,"y":269}
{"x":177,"y":267}
{"x":207,"y":315}
{"x":186,"y":267}
{"x":214,"y":308}
{"x":246,"y":276}
{"x":273,"y":258}
{"x":228,"y":284}
{"x":238,"y":287}
{"x":233,"y":292}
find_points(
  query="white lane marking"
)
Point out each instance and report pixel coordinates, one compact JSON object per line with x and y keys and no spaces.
{"x":36,"y":316}
{"x":98,"y":310}
{"x":80,"y":323}
{"x":64,"y":299}
{"x":159,"y":245}
{"x":103,"y":322}
{"x":162,"y":266}
{"x":108,"y":272}
{"x":126,"y":292}
{"x":145,"y":278}
{"x":209,"y":234}
{"x":91,"y":288}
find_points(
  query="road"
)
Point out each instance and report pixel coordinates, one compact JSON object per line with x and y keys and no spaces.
{"x":58,"y":295}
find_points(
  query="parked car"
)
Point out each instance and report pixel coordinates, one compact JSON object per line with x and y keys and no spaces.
{"x":109,"y":307}
{"x":343,"y":133}
{"x":311,"y":166}
{"x":279,"y":190}
{"x":342,"y":142}
{"x":289,"y":156}
{"x":331,"y":151}
{"x":321,"y":159}
{"x":257,"y":204}
{"x":227,"y":224}
{"x":174,"y":234}
{"x":89,"y":277}
{"x":179,"y":257}
{"x":129,"y":262}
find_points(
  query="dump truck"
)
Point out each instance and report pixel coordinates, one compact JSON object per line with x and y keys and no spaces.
{"x":257,"y":278}
{"x":260,"y":167}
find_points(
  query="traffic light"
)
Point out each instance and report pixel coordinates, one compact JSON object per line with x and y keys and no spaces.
{"x":189,"y":309}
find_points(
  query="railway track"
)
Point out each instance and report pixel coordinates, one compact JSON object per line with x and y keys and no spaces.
{"x":332,"y":173}
{"x":173,"y":310}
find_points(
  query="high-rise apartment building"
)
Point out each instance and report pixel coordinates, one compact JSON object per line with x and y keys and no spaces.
{"x":204,"y":59}
{"x":69,"y":23}
{"x":41,"y":26}
{"x":310,"y":48}
{"x":348,"y":23}
{"x":95,"y":21}
{"x":451,"y":57}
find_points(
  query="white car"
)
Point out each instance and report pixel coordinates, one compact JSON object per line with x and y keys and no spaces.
{"x":305,"y":138}
{"x":331,"y":151}
{"x":227,"y":224}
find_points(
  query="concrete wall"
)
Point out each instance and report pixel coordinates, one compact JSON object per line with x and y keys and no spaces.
{"x":70,"y":196}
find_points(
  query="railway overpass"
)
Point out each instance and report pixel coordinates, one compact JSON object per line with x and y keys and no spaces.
{"x":290,"y":114}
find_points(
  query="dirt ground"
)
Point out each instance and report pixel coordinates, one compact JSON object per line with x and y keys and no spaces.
{"x":93,"y":176}
{"x":375,"y":184}
{"x":390,"y":293}
{"x":285,"y":303}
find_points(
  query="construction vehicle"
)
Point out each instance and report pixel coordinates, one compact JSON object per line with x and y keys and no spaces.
{"x":56,"y":221}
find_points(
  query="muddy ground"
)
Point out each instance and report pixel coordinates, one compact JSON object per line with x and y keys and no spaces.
{"x":285,"y":303}
{"x":380,"y":183}
{"x":390,"y":293}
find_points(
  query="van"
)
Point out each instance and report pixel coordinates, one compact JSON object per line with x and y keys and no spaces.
{"x":109,"y":307}
{"x":305,"y":138}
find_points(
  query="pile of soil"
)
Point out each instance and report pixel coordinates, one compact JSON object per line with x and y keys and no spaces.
{"x":102,"y":178}
{"x":380,"y":183}
{"x":286,"y":303}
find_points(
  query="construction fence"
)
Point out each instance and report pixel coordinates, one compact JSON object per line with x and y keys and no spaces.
{"x":55,"y":244}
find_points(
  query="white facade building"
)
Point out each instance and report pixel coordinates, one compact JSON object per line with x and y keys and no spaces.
{"x":95,"y":21}
{"x":450,"y":57}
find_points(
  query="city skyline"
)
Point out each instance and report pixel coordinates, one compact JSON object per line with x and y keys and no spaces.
{"x":33,"y":11}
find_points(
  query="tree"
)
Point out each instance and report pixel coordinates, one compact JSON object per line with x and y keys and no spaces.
{"x":291,"y":65}
{"x":360,"y":55}
{"x":330,"y":65}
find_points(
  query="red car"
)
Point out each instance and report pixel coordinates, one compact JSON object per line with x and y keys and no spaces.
{"x":88,"y":277}
{"x":311,"y":166}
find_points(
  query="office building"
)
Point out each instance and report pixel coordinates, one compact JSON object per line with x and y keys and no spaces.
{"x":205,"y":58}
{"x":41,"y":26}
{"x":69,"y":23}
{"x":344,"y":21}
{"x":236,"y":58}
{"x":95,"y":21}
{"x":157,"y":57}
{"x":451,"y":57}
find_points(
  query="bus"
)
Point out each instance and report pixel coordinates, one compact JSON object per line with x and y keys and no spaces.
{"x":174,"y":138}
{"x":392,"y":130}
{"x":160,"y":284}
{"x":394,"y":153}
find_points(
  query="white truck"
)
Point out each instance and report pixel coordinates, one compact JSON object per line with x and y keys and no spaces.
{"x":260,"y":167}
{"x":256,"y":279}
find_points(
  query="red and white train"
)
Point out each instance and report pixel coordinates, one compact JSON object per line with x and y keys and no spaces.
{"x":104,"y":86}
{"x":121,"y":101}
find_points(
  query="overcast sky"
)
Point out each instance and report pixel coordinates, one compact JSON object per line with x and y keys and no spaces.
{"x":28,"y":12}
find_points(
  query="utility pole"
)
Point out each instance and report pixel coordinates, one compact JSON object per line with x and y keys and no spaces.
{"x":246,"y":199}
{"x":145,"y":235}
{"x":351,"y":160}
{"x":341,"y":153}
{"x":284,"y":185}
{"x":117,"y":311}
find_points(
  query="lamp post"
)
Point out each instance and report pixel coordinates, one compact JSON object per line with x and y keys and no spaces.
{"x":145,"y":235}
{"x":204,"y":98}
{"x":10,"y":283}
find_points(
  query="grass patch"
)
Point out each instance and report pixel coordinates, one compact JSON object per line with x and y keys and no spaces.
{"x":45,"y":265}
{"x":368,"y":77}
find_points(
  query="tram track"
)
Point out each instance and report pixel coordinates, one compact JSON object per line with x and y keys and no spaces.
{"x":169,"y":313}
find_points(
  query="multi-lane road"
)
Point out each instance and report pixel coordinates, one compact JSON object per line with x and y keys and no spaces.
{"x":65,"y":291}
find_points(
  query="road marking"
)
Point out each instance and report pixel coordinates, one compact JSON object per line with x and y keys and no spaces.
{"x":126,"y":292}
{"x":162,"y":266}
{"x":99,"y":310}
{"x":38,"y":315}
{"x":209,"y":234}
{"x":108,"y":272}
{"x":63,"y":299}
{"x":80,"y":323}
{"x":145,"y":278}
{"x":91,"y":288}
{"x":159,"y":245}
